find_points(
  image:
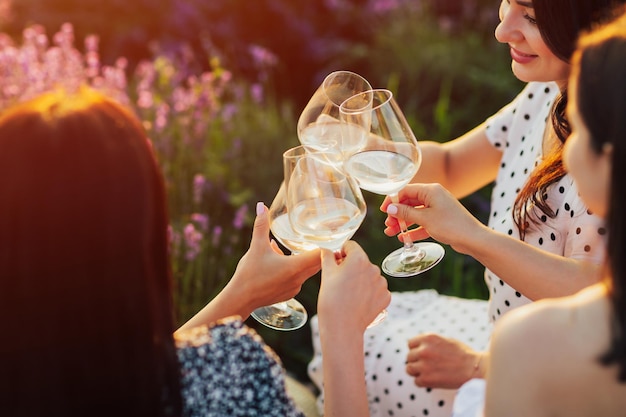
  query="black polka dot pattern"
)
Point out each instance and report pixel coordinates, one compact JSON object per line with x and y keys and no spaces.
{"x":391,"y":391}
{"x":227,"y":370}
{"x":517,"y":131}
{"x":573,"y":232}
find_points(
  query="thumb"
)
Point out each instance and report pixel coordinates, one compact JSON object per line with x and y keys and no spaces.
{"x":261,"y":228}
{"x":328,"y":260}
{"x":402,"y":211}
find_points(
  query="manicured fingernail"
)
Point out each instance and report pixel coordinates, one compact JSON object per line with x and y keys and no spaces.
{"x":260,"y":208}
{"x":391,"y":209}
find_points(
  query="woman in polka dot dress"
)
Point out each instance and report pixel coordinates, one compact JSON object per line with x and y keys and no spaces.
{"x":431,"y":344}
{"x":574,"y":365}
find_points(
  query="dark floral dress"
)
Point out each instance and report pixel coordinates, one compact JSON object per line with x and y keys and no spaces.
{"x":227,"y":370}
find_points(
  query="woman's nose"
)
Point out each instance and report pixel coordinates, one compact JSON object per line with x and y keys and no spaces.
{"x":508,"y":28}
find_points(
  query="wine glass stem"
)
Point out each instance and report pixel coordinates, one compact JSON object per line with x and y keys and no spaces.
{"x":410,"y":253}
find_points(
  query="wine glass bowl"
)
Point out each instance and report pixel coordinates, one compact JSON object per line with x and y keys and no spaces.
{"x":290,"y":314}
{"x":387,"y":161}
{"x":319,"y":125}
{"x":281,"y":227}
{"x":326,"y":206}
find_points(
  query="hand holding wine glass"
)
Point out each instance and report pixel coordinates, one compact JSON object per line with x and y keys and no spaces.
{"x":388,"y":160}
{"x":290,"y":314}
{"x":354,"y":285}
{"x":325,"y":206}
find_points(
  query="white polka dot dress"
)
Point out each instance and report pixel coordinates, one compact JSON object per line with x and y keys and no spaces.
{"x":518,"y":131}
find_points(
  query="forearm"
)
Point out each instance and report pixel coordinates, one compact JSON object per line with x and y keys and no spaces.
{"x":462,"y":166}
{"x":345,"y":393}
{"x":531,"y":271}
{"x":227,"y":303}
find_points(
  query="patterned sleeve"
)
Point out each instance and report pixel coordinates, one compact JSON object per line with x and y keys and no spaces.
{"x":227,"y":370}
{"x":530,"y":100}
{"x":498,"y":125}
{"x":586,"y":236}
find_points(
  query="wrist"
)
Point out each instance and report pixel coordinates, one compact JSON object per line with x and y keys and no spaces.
{"x":235,"y":301}
{"x":480,"y":366}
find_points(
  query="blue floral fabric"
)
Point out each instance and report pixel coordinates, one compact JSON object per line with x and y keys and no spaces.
{"x":227,"y":370}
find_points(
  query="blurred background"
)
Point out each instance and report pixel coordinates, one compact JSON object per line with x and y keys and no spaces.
{"x":219,"y":85}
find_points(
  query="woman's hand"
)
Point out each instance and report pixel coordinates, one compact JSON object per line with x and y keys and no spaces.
{"x":438,"y":362}
{"x":264,"y":276}
{"x":352,"y":292}
{"x":437,"y":212}
{"x":351,"y":295}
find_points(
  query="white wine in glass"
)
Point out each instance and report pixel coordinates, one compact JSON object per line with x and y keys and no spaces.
{"x":290,"y":314}
{"x":385,"y":164}
{"x":326,"y":206}
{"x":319,"y":125}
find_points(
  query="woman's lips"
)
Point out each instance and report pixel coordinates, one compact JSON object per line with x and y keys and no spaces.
{"x":520,"y":57}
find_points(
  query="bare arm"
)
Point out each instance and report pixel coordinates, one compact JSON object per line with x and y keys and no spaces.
{"x":351,"y":295}
{"x":524,"y":266}
{"x":462,"y":165}
{"x":264,"y":276}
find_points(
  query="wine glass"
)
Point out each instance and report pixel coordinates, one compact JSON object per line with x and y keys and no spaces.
{"x":290,"y":314}
{"x":325,"y":206}
{"x":385,"y":164}
{"x":319,"y":125}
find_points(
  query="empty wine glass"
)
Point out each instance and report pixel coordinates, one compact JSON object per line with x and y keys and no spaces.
{"x":290,"y":314}
{"x":319,"y":126}
{"x":325,"y":206}
{"x":385,"y":164}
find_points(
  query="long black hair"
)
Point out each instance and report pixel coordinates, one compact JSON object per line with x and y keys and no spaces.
{"x":599,"y":68}
{"x":85,"y":283}
{"x":560,"y":22}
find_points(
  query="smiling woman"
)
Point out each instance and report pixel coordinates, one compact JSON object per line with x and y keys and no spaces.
{"x":566,"y":355}
{"x":532,"y":57}
{"x":541,"y":241}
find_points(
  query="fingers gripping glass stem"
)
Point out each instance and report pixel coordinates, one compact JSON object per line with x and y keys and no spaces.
{"x":411,"y":252}
{"x":412,"y":258}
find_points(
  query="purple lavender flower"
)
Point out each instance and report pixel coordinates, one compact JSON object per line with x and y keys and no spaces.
{"x":193,"y":241}
{"x":217,"y":234}
{"x":240,"y":217}
{"x":199,"y":184}
{"x":256,"y":91}
{"x":38,"y":65}
{"x":174,"y":239}
{"x":202,"y":220}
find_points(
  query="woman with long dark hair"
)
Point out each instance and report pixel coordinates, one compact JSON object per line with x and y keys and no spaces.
{"x":567,"y":356}
{"x":540,"y":240}
{"x":86,"y":311}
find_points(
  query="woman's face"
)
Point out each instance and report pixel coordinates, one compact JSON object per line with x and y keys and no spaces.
{"x":532,"y":59}
{"x":590,"y":170}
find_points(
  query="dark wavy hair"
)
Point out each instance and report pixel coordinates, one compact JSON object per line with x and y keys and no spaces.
{"x":599,"y":68}
{"x":85,"y":282}
{"x":560,"y":22}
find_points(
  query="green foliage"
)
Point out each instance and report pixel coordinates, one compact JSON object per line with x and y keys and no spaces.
{"x":220,"y":142}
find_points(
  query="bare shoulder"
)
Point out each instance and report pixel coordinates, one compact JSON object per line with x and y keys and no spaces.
{"x":544,"y":360}
{"x":537,"y":350}
{"x":539,"y":328}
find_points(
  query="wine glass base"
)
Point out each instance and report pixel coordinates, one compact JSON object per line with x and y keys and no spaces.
{"x":393,"y":265}
{"x":288,"y":315}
